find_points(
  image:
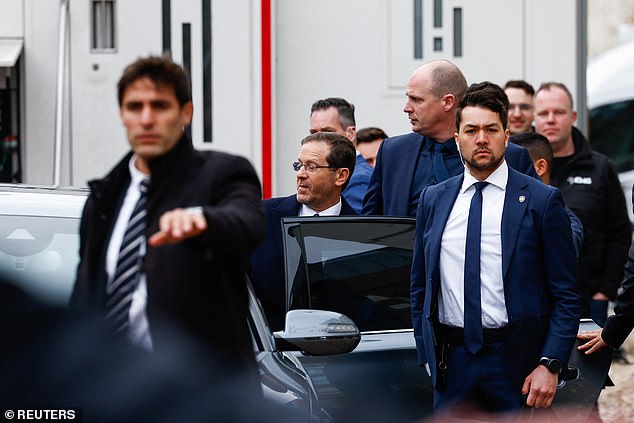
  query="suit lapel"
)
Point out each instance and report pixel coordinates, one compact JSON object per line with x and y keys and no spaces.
{"x":515,"y":202}
{"x":287,"y":207}
{"x":407,"y":158}
{"x":443,"y":206}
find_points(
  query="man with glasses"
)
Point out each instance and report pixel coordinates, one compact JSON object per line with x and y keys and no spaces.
{"x":324,"y":165}
{"x":520,"y":94}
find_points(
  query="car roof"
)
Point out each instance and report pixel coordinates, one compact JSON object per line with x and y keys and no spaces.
{"x":40,"y":200}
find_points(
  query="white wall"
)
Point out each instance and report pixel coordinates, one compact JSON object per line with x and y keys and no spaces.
{"x":325,"y":49}
{"x":95,"y":139}
{"x":38,"y":100}
{"x":11,"y":18}
{"x":362,"y":50}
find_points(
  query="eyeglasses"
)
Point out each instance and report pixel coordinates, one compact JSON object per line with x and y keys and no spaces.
{"x":524,"y":107}
{"x":310,"y":167}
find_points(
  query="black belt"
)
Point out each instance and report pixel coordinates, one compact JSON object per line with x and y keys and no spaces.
{"x":455,"y":336}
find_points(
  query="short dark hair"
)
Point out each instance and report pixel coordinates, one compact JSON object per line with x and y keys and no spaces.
{"x":370,"y":134}
{"x":488,"y":95}
{"x":520,"y":84}
{"x":342,"y":152}
{"x":537,"y":145}
{"x":344,"y":108}
{"x":162,"y":71}
{"x":550,"y":85}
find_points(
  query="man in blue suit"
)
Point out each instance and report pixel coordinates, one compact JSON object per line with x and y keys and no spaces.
{"x":335,"y":114}
{"x":324,"y":164}
{"x":408,"y":163}
{"x":495,"y":301}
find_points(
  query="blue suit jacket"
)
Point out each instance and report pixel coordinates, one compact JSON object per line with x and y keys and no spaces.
{"x":267,"y":260}
{"x":390,"y":186}
{"x":538,"y":269}
{"x":358,"y":184}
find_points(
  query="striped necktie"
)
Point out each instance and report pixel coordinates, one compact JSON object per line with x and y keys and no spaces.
{"x":126,"y":276}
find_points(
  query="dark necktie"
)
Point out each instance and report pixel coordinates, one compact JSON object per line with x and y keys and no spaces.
{"x":126,"y":277}
{"x":440,"y":169}
{"x":473,"y":336}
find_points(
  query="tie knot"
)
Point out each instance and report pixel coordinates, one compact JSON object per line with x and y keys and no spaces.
{"x":479,"y":186}
{"x":438,"y":147}
{"x":144,"y":185}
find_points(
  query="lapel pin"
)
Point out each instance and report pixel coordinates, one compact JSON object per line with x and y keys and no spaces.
{"x":522,"y":198}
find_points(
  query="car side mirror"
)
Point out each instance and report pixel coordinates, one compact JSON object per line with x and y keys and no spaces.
{"x":317,"y":332}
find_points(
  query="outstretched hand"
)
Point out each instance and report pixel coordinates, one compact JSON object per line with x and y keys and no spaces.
{"x":178,"y":225}
{"x":595,"y":342}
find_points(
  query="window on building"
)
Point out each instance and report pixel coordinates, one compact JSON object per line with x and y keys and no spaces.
{"x":103,"y":25}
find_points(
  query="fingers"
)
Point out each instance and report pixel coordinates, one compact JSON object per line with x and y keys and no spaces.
{"x":179,"y":224}
{"x":541,"y":386}
{"x":594,"y":344}
{"x":589,"y":334}
{"x":540,"y":397}
{"x":527,"y":385}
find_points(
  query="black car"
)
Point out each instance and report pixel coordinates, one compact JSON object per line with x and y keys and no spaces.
{"x":360,"y":267}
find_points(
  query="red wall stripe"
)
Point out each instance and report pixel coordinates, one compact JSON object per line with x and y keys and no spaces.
{"x":267,"y":132}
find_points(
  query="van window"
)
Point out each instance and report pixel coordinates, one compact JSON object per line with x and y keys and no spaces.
{"x":612,"y":133}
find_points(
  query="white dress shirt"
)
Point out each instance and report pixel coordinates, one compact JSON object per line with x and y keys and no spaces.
{"x":330,"y":211}
{"x":139,"y":330}
{"x":452,"y":251}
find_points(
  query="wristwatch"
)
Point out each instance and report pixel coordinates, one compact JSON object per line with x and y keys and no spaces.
{"x":552,"y":364}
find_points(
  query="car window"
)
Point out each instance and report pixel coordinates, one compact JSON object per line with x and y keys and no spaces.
{"x":40,"y":254}
{"x":356,"y":267}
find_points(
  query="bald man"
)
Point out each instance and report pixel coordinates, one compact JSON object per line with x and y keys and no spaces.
{"x":428,"y":155}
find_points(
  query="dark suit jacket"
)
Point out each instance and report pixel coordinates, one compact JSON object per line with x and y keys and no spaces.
{"x":267,"y":260}
{"x":538,"y":269}
{"x":620,"y":324}
{"x":197,"y":285}
{"x":390,"y":186}
{"x":358,"y":184}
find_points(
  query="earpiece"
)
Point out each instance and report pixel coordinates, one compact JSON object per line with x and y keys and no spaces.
{"x":460,"y":156}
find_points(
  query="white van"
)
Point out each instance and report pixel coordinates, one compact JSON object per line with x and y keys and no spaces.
{"x":610,"y":90}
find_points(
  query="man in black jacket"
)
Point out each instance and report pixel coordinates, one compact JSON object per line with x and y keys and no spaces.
{"x":165,"y":236}
{"x":591,"y":189}
{"x":618,"y":326}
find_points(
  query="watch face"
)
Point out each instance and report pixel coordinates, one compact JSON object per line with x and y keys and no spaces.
{"x":553,"y":365}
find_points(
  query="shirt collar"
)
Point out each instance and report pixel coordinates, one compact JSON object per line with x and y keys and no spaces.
{"x":499,"y":178}
{"x":330,"y":211}
{"x":136,"y":176}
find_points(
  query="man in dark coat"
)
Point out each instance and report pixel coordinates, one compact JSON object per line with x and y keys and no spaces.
{"x":591,"y":188}
{"x":406,"y":164}
{"x":324,"y":165}
{"x":202,"y":216}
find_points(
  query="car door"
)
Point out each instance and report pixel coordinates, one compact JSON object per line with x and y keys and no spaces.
{"x":360,"y":268}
